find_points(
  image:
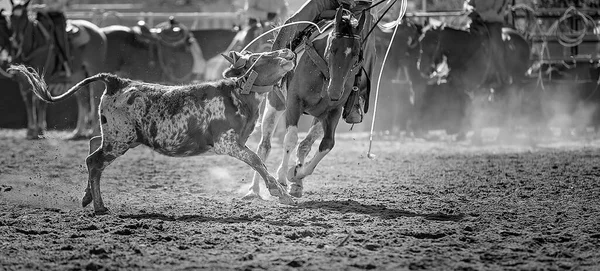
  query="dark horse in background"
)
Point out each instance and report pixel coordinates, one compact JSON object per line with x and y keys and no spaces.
{"x":320,"y":93}
{"x":6,"y":48}
{"x":402,"y":86}
{"x":471,"y":69}
{"x":35,"y":46}
{"x":167,"y":53}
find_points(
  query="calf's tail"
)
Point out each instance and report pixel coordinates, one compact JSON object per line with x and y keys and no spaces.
{"x":40,"y":88}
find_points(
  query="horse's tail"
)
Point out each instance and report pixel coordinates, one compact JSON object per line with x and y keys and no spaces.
{"x":40,"y":88}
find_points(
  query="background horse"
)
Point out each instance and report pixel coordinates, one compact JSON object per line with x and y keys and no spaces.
{"x":6,"y":48}
{"x":217,"y":64}
{"x":35,"y":47}
{"x":402,"y":86}
{"x":319,"y":86}
{"x":470,"y":65}
{"x":167,"y":53}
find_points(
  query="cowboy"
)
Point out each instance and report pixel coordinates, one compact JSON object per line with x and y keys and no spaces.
{"x":261,"y":12}
{"x":311,"y":11}
{"x":265,"y":10}
{"x":489,"y":14}
{"x":56,"y":12}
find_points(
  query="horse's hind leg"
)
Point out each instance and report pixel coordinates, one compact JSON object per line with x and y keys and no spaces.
{"x":269,"y":121}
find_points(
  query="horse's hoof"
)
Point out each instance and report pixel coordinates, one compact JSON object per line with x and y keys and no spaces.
{"x":296,"y":190}
{"x":287,"y":200}
{"x":251,"y":195}
{"x":34,"y":135}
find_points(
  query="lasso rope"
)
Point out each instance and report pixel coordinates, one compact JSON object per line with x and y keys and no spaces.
{"x":279,"y":27}
{"x":564,"y":38}
{"x":403,"y":7}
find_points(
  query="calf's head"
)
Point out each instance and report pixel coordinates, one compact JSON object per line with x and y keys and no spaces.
{"x":269,"y":67}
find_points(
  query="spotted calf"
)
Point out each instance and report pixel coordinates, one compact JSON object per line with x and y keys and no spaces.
{"x":180,"y":121}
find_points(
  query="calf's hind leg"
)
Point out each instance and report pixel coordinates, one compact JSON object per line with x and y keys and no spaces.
{"x":96,"y":162}
{"x":95,"y":144}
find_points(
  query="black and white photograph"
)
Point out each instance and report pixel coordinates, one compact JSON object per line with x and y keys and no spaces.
{"x":300,"y":135}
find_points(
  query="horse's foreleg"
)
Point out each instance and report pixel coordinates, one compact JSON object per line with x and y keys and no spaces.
{"x":40,"y":109}
{"x":28,"y":99}
{"x":297,"y":174}
{"x":82,"y":98}
{"x":315,"y":131}
{"x":269,"y":121}
{"x":290,"y":140}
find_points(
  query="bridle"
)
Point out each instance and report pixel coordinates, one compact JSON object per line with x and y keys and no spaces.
{"x":357,"y":39}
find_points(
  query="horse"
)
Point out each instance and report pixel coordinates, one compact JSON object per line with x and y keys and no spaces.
{"x":470,"y":67}
{"x":35,"y":47}
{"x":6,"y":48}
{"x":167,"y":53}
{"x":402,"y":86}
{"x":319,"y":86}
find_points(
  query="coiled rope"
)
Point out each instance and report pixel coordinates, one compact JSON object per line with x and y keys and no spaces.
{"x":572,"y":37}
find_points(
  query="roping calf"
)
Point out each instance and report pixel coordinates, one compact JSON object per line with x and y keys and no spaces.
{"x":179,"y":120}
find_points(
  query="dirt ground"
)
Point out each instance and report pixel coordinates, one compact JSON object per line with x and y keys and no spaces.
{"x":419,"y":205}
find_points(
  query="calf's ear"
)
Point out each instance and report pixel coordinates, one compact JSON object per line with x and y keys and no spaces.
{"x":231,"y":72}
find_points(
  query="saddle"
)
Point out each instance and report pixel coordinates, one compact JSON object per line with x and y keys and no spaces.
{"x":172,"y":34}
{"x":169,"y":34}
{"x":76,"y":35}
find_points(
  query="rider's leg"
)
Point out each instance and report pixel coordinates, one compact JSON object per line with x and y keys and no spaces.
{"x":360,"y":105}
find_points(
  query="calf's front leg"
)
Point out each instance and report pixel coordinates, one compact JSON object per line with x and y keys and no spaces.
{"x":228,"y":144}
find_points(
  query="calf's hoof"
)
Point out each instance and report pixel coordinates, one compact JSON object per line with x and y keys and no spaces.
{"x":87,"y":198}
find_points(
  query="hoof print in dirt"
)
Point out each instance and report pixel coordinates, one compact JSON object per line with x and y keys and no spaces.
{"x":296,"y":263}
{"x":5,"y":188}
{"x":93,"y":266}
{"x":98,"y":251}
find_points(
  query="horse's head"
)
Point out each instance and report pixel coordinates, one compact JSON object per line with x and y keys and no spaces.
{"x":431,"y":55}
{"x":6,"y":48}
{"x":19,"y":18}
{"x":269,"y":67}
{"x":343,"y":52}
